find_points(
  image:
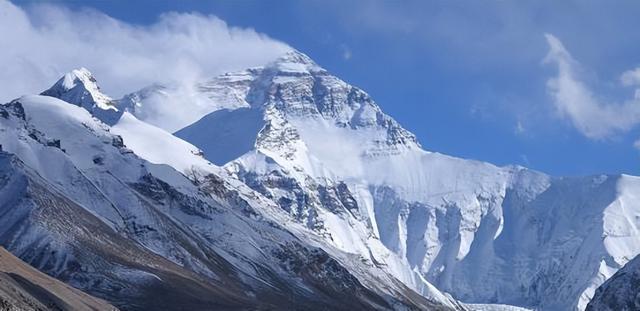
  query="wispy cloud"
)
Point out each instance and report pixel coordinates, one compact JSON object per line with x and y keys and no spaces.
{"x":519,"y":128}
{"x":631,"y":78}
{"x":525,"y":160}
{"x":593,"y":116}
{"x":44,"y":41}
{"x":346,"y":52}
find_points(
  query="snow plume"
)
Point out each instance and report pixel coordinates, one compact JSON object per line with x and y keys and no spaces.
{"x":594,"y":117}
{"x":40,"y":43}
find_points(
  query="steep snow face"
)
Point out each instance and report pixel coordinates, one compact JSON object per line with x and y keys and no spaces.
{"x":209,"y":225}
{"x":327,"y":154}
{"x":158,"y":146}
{"x":237,"y":126}
{"x":620,"y":239}
{"x":621,"y":292}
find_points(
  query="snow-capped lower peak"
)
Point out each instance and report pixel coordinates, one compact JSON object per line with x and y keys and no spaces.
{"x":80,"y":86}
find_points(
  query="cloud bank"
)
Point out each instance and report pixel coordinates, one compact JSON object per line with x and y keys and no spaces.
{"x":595,"y":117}
{"x":41,"y":43}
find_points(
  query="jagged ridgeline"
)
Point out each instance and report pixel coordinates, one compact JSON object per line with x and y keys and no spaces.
{"x":284,"y":187}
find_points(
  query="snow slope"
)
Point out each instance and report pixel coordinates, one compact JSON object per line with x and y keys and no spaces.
{"x":622,"y":290}
{"x":328,"y":156}
{"x":158,"y":146}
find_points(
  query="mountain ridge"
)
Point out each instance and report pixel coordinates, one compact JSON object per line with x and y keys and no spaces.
{"x":328,"y":156}
{"x":143,"y":236}
{"x":318,"y":133}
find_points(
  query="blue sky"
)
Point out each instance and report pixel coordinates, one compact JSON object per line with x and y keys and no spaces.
{"x":469,"y":78}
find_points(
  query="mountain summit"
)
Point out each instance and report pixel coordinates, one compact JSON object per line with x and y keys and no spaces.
{"x":81,"y":88}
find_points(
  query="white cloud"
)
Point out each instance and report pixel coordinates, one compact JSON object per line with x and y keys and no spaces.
{"x":41,"y":43}
{"x":631,"y":77}
{"x":594,"y":117}
{"x":519,"y":129}
{"x":346,"y":52}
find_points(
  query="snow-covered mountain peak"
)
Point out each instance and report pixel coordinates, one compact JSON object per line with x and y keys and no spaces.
{"x":79,"y":87}
{"x":295,"y":56}
{"x":181,"y":155}
{"x":277,"y":108}
{"x":82,"y":75}
{"x":295,"y":62}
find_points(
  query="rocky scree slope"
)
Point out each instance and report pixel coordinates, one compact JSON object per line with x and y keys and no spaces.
{"x":24,"y":288}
